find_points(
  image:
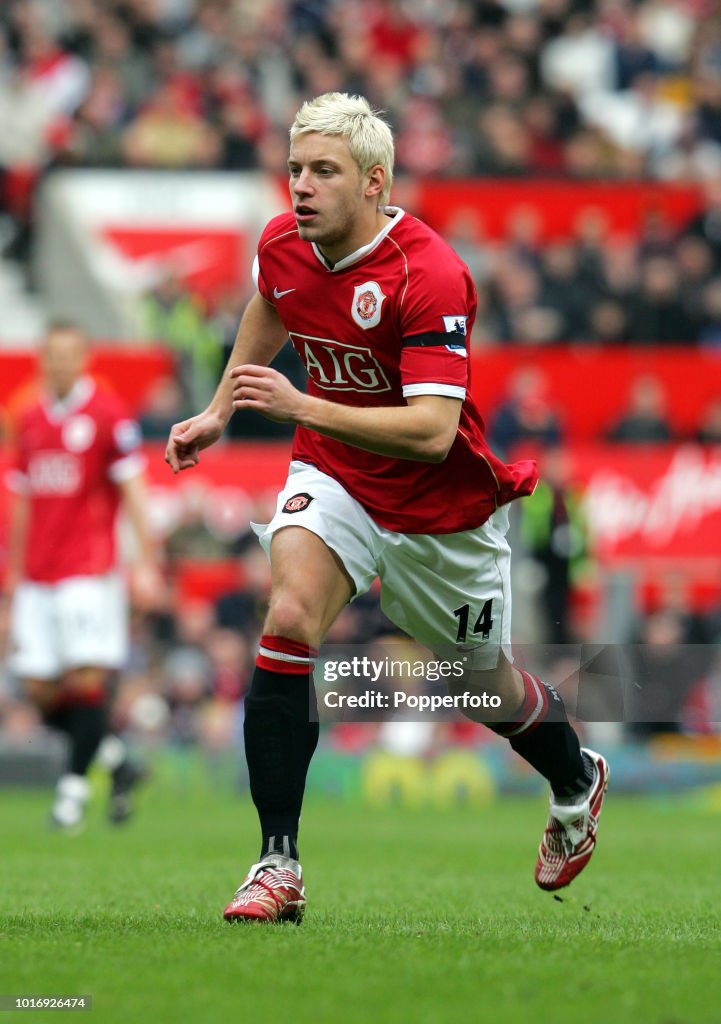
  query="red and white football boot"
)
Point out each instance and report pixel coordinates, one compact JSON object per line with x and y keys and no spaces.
{"x":272,"y":891}
{"x":570,"y":836}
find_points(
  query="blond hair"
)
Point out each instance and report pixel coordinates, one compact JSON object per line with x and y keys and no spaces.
{"x":370,"y":140}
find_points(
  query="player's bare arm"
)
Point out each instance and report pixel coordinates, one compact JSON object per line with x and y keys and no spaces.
{"x":148,"y":587}
{"x":422,"y":430}
{"x":260,"y":337}
{"x":17,"y":534}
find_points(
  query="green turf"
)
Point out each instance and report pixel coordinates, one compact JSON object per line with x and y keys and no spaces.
{"x":414,"y":916}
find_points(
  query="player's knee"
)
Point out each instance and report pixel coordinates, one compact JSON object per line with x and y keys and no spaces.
{"x":291,"y":616}
{"x":42,"y":692}
{"x":82,"y":681}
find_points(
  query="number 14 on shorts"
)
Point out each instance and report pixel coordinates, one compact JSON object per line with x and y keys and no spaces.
{"x":484,"y":622}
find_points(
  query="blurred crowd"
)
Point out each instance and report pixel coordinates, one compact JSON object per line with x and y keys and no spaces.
{"x":611,"y":89}
{"x":661,"y":286}
{"x":490,"y":87}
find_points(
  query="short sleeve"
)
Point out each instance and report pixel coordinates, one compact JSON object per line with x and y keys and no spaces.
{"x":436,"y":320}
{"x":126,"y":459}
{"x":259,"y":281}
{"x":276,"y":228}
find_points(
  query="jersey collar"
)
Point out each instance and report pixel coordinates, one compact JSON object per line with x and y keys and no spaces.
{"x":58,"y":408}
{"x":365,"y":250}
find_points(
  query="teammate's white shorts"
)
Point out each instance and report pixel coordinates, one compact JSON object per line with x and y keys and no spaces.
{"x":450,"y":592}
{"x":78,"y":622}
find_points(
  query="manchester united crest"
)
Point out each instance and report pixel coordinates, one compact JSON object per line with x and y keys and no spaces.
{"x":298,"y":502}
{"x":367,"y":304}
{"x":78,"y":433}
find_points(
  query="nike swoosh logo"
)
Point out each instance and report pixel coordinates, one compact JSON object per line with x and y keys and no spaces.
{"x":279,"y":295}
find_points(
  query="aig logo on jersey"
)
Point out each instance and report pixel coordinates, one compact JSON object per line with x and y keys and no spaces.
{"x":456,"y":325}
{"x":335,"y":366}
{"x":367,"y":304}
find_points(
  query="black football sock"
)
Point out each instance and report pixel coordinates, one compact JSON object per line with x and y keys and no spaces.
{"x":85,"y":724}
{"x":543,"y":736}
{"x":280,"y":740}
{"x":55,"y":717}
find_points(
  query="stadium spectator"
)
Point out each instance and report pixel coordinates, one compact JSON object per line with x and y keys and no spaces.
{"x":193,"y":536}
{"x":554,"y":533}
{"x":645,"y":420}
{"x":694,"y":261}
{"x":177,"y":317}
{"x":670,"y":652}
{"x":464,"y":234}
{"x":657,"y":315}
{"x":521,"y":314}
{"x":361,"y":448}
{"x":526,"y":415}
{"x":163,"y":407}
{"x":187,"y":683}
{"x":565,"y":290}
{"x":169,"y":133}
{"x":620,"y":270}
{"x":707,"y":224}
{"x":607,"y":323}
{"x":96,"y":137}
{"x":76,"y":460}
{"x":245,"y":607}
{"x":709,"y":428}
{"x":710,"y":314}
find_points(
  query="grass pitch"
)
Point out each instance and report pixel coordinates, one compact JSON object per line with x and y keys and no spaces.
{"x":413,"y":916}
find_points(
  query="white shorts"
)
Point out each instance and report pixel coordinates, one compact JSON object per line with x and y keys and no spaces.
{"x":78,"y":622}
{"x":450,"y":592}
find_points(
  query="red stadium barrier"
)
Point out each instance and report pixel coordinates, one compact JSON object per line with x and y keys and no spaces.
{"x":558,"y":205}
{"x":588,"y":385}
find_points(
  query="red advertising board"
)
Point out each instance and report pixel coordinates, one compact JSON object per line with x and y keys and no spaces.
{"x":588,"y":386}
{"x":648,"y":508}
{"x":558,"y":205}
{"x":652,"y":503}
{"x":207,"y":259}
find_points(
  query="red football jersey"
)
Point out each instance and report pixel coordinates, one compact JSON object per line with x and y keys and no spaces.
{"x":69,"y":455}
{"x":390,"y":321}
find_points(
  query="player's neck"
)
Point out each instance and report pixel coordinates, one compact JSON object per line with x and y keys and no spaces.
{"x":366,"y":233}
{"x":72,"y":399}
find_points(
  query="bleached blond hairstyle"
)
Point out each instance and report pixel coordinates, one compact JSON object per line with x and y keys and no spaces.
{"x":370,"y":139}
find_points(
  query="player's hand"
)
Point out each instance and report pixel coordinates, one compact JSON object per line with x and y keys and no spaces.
{"x":187,"y":439}
{"x":148,"y":588}
{"x":268,"y":392}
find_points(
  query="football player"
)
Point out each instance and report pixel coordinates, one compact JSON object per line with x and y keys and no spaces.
{"x":391,"y":477}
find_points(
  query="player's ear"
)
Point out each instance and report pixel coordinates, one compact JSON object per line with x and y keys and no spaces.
{"x":375,"y":180}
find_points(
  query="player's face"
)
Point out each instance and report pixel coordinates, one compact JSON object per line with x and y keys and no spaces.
{"x":334,"y":205}
{"x":64,"y":359}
